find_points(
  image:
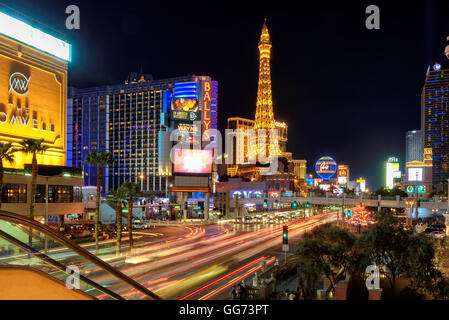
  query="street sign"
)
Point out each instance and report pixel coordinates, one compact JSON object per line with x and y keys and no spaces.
{"x":285,"y":247}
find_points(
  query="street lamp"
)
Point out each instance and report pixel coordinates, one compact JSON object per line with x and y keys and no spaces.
{"x":410,"y":204}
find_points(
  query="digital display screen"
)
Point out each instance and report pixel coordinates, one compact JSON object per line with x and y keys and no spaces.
{"x":415,"y":174}
{"x":192,"y":161}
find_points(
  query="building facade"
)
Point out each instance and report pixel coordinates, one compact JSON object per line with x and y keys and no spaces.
{"x":435,"y":122}
{"x":413,"y":145}
{"x":126,"y":120}
{"x":33,"y":96}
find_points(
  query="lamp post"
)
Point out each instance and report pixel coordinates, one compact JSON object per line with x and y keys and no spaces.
{"x":410,"y":204}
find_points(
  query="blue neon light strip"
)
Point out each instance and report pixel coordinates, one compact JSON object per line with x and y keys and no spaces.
{"x":186,"y":90}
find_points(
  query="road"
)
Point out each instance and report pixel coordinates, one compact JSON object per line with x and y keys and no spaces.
{"x":207,"y":262}
{"x":188,"y":262}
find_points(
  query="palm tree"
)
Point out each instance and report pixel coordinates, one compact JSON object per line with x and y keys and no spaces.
{"x":6,"y":153}
{"x":34,"y":147}
{"x":101,"y":159}
{"x":132,"y":191}
{"x":117,"y":199}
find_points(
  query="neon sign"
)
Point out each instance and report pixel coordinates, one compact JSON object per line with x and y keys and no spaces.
{"x":206,"y":107}
{"x":246,"y":194}
{"x":325,"y":167}
{"x":19,"y":83}
{"x":415,"y":189}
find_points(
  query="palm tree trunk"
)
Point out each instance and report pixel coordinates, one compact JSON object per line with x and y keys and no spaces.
{"x":130,"y":223}
{"x":118,"y":214}
{"x":33,"y":195}
{"x":33,"y":185}
{"x":97,"y":205}
{"x":1,"y":182}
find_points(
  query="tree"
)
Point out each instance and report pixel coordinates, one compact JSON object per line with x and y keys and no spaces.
{"x":132,"y":190}
{"x":422,"y":267}
{"x":100,"y":159}
{"x":327,"y":251}
{"x":118,"y":200}
{"x":32,"y":146}
{"x":6,"y":153}
{"x":385,"y":192}
{"x":385,"y":245}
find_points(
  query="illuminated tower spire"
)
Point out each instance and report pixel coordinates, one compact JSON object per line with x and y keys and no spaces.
{"x":264,"y":118}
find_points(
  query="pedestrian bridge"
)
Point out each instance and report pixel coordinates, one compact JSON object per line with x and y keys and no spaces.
{"x":437,"y":203}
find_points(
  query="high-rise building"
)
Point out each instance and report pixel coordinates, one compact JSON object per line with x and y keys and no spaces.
{"x":413,"y":146}
{"x":435,"y":122}
{"x":300,"y":168}
{"x":125,"y":120}
{"x":264,"y":118}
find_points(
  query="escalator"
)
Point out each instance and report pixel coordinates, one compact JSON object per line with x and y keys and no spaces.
{"x":52,"y":266}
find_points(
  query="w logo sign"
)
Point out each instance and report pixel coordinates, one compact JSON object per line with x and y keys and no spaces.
{"x":19,"y":83}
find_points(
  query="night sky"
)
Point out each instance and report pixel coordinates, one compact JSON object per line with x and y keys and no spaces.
{"x":345,"y":91}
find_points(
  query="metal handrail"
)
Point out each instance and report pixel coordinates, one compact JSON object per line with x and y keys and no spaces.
{"x":56,"y":264}
{"x":20,"y":219}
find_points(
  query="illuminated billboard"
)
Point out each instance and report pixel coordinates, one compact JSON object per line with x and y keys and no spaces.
{"x":415,"y":189}
{"x":392,"y":172}
{"x":186,"y":90}
{"x":342,"y":180}
{"x":33,"y":101}
{"x":325,"y":167}
{"x":184,"y":109}
{"x":192,"y":161}
{"x":361,"y":184}
{"x":20,"y":31}
{"x":415,"y":174}
{"x":246,"y":194}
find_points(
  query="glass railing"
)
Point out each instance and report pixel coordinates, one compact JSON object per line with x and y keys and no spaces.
{"x":50,"y":252}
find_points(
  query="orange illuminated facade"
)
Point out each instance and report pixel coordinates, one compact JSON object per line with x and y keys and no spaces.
{"x":33,"y":100}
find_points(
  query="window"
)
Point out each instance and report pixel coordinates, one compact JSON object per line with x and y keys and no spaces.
{"x":14,"y":193}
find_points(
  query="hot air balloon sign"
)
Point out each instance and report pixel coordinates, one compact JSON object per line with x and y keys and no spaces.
{"x":325,"y":167}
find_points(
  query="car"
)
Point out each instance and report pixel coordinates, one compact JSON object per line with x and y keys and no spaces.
{"x":247,"y":219}
{"x":139,"y":225}
{"x":437,"y":234}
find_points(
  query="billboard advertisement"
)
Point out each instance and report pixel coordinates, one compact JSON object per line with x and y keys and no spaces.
{"x":392,"y":173}
{"x":184,"y":109}
{"x":194,"y":161}
{"x":415,"y":174}
{"x":326,"y":167}
{"x":415,"y":189}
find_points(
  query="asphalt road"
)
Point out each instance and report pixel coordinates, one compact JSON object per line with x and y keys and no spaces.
{"x":186,"y":262}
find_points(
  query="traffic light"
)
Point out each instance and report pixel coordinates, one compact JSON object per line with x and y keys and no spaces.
{"x":307,"y":205}
{"x":265,"y":203}
{"x":284,"y":234}
{"x":294,"y":204}
{"x":276,"y":203}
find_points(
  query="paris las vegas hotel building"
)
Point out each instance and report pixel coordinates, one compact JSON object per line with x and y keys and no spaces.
{"x":33,"y":98}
